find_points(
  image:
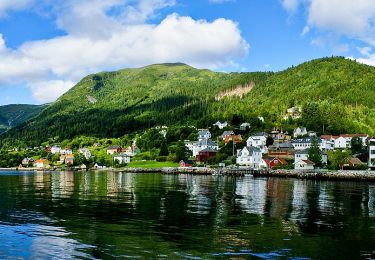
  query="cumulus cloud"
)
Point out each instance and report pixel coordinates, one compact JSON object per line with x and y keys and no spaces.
{"x":291,"y":5}
{"x":123,"y":39}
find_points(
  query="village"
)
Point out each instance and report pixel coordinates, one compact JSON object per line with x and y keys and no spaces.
{"x":300,"y":150}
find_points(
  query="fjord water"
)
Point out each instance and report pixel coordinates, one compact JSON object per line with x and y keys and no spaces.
{"x":66,"y":215}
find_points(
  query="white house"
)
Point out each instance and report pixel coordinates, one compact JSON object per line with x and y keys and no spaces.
{"x":305,"y":143}
{"x":304,"y":165}
{"x":371,"y":153}
{"x":99,"y":166}
{"x":121,"y":158}
{"x":304,"y":155}
{"x":55,"y":149}
{"x":66,"y":151}
{"x":344,"y":141}
{"x":204,"y":134}
{"x":258,"y":140}
{"x":220,"y":124}
{"x":299,"y":131}
{"x":249,"y":156}
{"x":244,"y":126}
{"x":85,"y":152}
{"x":204,"y":144}
{"x":227,"y":134}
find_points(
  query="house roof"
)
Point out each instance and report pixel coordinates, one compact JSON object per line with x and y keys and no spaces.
{"x":305,"y":140}
{"x":270,"y":159}
{"x":355,"y":161}
{"x":245,"y":124}
{"x":250,"y":149}
{"x":206,"y":142}
{"x":121,"y":155}
{"x":354,"y":135}
{"x":208,"y":150}
{"x":113,"y":147}
{"x":203,"y":132}
{"x":226,"y":133}
{"x":258,"y":134}
{"x":308,"y":162}
{"x":306,"y":151}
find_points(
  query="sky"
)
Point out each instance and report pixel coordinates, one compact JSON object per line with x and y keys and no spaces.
{"x":47,"y":46}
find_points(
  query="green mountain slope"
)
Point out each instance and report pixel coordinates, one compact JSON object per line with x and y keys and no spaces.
{"x":337,"y":95}
{"x":14,"y":115}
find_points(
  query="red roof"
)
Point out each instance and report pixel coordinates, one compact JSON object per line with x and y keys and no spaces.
{"x":308,"y":162}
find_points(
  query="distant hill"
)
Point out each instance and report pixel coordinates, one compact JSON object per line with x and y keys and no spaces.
{"x":14,"y":115}
{"x":337,"y":95}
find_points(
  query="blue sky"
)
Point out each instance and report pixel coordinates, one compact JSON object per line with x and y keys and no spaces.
{"x":48,"y":46}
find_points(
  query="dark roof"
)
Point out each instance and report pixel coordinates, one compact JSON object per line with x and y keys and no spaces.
{"x":207,"y":142}
{"x":208,"y":150}
{"x":305,"y":140}
{"x":187,"y":161}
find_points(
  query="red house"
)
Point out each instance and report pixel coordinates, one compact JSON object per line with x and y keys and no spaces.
{"x":271,"y":162}
{"x":205,"y":155}
{"x":186,"y":163}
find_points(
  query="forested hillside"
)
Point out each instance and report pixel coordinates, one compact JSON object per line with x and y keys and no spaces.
{"x":13,"y":115}
{"x":337,"y":96}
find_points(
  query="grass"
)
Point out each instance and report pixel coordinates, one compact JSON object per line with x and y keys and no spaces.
{"x":151,"y":164}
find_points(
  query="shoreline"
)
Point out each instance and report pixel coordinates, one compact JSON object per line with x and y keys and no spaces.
{"x":364,"y":175}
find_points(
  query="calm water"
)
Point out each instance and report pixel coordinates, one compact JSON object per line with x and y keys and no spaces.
{"x":116,"y":215}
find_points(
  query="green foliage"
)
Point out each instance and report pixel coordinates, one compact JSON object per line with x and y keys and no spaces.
{"x":164,"y":149}
{"x":356,"y":145}
{"x":269,"y":141}
{"x":182,"y":152}
{"x":336,"y":94}
{"x":315,"y":155}
{"x":338,"y":158}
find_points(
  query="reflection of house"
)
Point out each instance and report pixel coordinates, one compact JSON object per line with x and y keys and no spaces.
{"x":114,"y":149}
{"x":186,"y":163}
{"x":206,"y":154}
{"x":121,"y":158}
{"x":41,"y":163}
{"x":249,"y":156}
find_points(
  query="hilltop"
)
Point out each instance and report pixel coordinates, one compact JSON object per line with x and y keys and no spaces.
{"x":337,"y":96}
{"x":14,"y":115}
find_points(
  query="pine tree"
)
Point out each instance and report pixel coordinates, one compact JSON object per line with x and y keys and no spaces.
{"x":315,"y":155}
{"x":164,"y":149}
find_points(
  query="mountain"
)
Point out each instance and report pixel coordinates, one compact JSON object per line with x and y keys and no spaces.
{"x":337,"y":96}
{"x":14,"y":115}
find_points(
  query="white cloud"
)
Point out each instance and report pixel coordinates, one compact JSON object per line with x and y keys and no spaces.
{"x":305,"y":30}
{"x":291,"y":5}
{"x":50,"y":67}
{"x":9,"y":5}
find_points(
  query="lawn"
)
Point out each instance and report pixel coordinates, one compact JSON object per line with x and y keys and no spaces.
{"x":151,"y":164}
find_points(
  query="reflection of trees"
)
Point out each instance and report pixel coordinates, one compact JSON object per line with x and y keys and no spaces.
{"x":122,"y":213}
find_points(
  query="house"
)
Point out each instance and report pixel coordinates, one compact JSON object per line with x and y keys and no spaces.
{"x":186,"y":163}
{"x":204,"y":134}
{"x":85,"y":152}
{"x":204,"y":144}
{"x":261,"y":119}
{"x":162,"y":130}
{"x":271,"y":162}
{"x":280,"y":136}
{"x":304,"y":165}
{"x":344,"y":141}
{"x":27,"y":161}
{"x":99,"y":166}
{"x":249,"y":156}
{"x":121,"y":158}
{"x":299,"y":131}
{"x":66,"y":151}
{"x":205,"y":154}
{"x":227,"y":134}
{"x":69,"y":159}
{"x":55,"y":149}
{"x":258,"y":140}
{"x":305,"y":143}
{"x":371,"y":153}
{"x":114,"y":149}
{"x":83,"y":167}
{"x":281,"y":146}
{"x":132,"y":150}
{"x":189,"y":144}
{"x":236,"y":138}
{"x":304,"y":155}
{"x":244,"y":126}
{"x":353,"y":162}
{"x":293,"y":112}
{"x":41,"y":164}
{"x":220,"y":124}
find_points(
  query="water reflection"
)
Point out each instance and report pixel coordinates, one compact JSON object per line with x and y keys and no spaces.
{"x":106,"y":214}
